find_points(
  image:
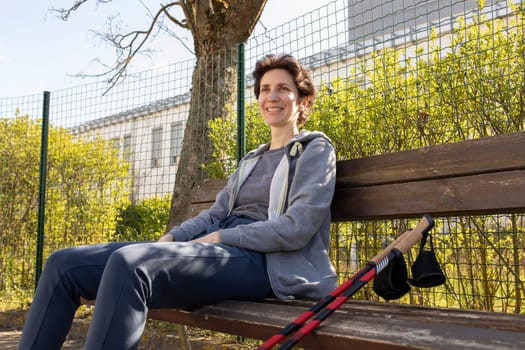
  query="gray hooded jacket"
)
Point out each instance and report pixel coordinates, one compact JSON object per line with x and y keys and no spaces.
{"x":295,"y":238}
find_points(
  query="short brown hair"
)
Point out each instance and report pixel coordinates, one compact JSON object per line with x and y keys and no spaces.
{"x":300,"y":74}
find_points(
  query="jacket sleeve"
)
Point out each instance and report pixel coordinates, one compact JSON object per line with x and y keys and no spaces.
{"x":309,"y":201}
{"x":198,"y":224}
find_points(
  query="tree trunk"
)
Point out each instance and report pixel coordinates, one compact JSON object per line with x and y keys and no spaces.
{"x":217,"y":27}
{"x":214,"y":90}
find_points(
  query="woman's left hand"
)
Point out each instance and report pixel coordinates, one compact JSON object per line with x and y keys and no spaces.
{"x":213,"y":237}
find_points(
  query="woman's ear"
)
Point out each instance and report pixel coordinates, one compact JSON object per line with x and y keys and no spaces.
{"x":303,"y":104}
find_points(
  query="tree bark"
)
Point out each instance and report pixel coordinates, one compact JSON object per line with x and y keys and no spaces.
{"x":214,"y":89}
{"x":217,"y":28}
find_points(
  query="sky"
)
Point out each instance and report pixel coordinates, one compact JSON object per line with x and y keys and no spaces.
{"x":39,"y":51}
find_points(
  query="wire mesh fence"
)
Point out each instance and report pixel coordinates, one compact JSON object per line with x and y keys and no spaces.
{"x":392,"y":75}
{"x":481,"y":257}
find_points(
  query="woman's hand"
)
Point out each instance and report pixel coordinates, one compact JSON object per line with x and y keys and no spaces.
{"x":213,"y":237}
{"x":168,"y":237}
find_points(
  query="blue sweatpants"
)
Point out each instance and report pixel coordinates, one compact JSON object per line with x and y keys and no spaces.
{"x":129,"y":278}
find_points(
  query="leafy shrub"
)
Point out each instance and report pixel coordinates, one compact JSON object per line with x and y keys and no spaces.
{"x":144,"y":221}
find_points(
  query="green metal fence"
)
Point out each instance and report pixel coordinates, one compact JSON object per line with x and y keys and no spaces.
{"x":392,"y":75}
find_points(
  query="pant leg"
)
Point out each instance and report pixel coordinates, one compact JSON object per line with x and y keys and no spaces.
{"x":175,"y":275}
{"x":68,"y":275}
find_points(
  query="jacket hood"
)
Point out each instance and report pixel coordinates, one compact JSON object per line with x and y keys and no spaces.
{"x":304,"y":136}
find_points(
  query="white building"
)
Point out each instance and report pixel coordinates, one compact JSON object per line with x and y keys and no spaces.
{"x":150,"y":137}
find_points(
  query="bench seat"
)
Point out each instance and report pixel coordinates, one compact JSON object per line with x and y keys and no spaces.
{"x":362,"y":325}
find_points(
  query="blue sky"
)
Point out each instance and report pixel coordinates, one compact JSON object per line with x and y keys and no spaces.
{"x":39,"y":51}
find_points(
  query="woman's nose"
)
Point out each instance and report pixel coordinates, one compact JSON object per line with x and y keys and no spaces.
{"x":273,"y":96}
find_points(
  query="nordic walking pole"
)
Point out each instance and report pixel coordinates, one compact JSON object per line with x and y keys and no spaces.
{"x":334,"y":300}
{"x":407,"y":240}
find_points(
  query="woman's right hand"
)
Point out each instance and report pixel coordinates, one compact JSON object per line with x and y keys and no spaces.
{"x":168,"y":237}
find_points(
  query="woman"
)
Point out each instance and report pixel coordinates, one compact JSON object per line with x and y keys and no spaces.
{"x":266,"y":235}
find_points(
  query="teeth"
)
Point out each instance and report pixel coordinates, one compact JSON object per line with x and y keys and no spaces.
{"x":273,"y":109}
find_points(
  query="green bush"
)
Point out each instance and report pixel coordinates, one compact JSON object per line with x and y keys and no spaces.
{"x":395,"y":100}
{"x":144,"y":221}
{"x":87,"y":184}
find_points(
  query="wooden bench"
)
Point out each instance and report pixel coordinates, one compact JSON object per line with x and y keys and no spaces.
{"x":483,"y":176}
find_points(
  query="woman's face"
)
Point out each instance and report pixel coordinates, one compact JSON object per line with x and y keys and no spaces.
{"x":279,"y":99}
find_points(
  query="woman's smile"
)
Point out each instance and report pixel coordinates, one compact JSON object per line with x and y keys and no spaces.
{"x":278,"y":99}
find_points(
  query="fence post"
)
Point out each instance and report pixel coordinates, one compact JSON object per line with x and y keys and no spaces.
{"x":42,"y":188}
{"x":241,"y":109}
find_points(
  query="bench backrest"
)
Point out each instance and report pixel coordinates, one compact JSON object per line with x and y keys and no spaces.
{"x":482,"y":176}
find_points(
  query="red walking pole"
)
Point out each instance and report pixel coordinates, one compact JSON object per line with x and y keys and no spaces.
{"x":327,"y":305}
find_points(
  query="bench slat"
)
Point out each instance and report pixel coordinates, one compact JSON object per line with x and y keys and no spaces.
{"x":207,"y":191}
{"x":482,"y":176}
{"x":492,"y":193}
{"x":362,"y":325}
{"x":484,"y":155}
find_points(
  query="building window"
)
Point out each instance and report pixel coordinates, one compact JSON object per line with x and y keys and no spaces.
{"x":126,"y":148}
{"x":156,"y":147}
{"x":176,"y":135}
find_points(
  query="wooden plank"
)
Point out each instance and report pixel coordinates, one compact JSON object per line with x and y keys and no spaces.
{"x":478,"y":194}
{"x":484,"y":155}
{"x":379,"y":326}
{"x":203,"y":195}
{"x":206,"y":191}
{"x":361,"y":324}
{"x":490,"y":193}
{"x":398,"y":184}
{"x":476,"y":318}
{"x":196,"y":208}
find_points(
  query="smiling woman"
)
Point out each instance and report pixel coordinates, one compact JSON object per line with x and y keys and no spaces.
{"x":285,"y":93}
{"x":266,"y":236}
{"x":280,"y":105}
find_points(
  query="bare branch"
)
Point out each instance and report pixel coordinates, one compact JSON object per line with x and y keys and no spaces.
{"x":128,"y":45}
{"x":64,"y":13}
{"x":170,"y":32}
{"x":182,"y":23}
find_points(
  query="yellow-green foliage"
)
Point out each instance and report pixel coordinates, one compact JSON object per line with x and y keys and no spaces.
{"x":393,"y":100}
{"x":145,"y":220}
{"x":87,"y":184}
{"x":224,"y":137}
